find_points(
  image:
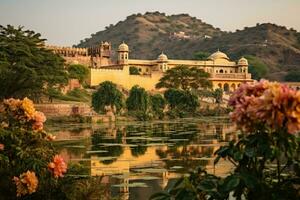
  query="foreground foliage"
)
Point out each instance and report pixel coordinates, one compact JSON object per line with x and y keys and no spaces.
{"x":26,"y":67}
{"x":30,"y":167}
{"x":266,"y":155}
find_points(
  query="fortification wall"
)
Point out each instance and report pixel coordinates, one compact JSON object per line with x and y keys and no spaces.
{"x":122,"y":77}
{"x":83,"y":60}
{"x":54,"y":110}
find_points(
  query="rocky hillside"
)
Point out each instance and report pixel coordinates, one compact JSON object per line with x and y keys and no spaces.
{"x":181,"y":36}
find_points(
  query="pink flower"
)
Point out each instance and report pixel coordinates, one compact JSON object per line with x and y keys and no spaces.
{"x":58,"y":166}
{"x":1,"y":147}
{"x":272,"y":105}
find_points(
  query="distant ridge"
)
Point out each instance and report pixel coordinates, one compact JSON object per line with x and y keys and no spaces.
{"x":181,"y":36}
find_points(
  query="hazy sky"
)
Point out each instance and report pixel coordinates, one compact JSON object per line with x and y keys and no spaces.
{"x":66,"y":22}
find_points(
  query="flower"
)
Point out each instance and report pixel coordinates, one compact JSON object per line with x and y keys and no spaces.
{"x":1,"y":147}
{"x":26,"y":183}
{"x":50,"y":137}
{"x":28,"y":108}
{"x":39,"y":119}
{"x":268,"y":104}
{"x":57,"y":166}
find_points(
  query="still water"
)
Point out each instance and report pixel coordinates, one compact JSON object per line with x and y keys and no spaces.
{"x":138,"y":159}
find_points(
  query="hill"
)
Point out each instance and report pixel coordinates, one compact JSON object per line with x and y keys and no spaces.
{"x":181,"y":36}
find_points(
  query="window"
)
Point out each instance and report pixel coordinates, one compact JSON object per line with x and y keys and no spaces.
{"x":221,"y":70}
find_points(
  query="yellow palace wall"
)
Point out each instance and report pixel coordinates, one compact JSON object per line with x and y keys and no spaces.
{"x":122,"y":77}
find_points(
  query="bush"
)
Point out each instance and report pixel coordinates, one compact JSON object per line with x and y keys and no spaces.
{"x":257,"y":68}
{"x":29,"y":165}
{"x":292,"y":76}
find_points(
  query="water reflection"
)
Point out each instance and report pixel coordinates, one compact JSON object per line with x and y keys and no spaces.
{"x":138,"y":159}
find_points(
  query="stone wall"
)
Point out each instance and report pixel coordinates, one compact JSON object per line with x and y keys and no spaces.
{"x":53,"y":110}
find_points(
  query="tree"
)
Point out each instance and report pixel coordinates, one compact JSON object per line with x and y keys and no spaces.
{"x":134,"y":70}
{"x":26,"y":67}
{"x":257,"y":68}
{"x":138,"y":99}
{"x":218,"y":95}
{"x":79,"y":72}
{"x":201,"y":55}
{"x":158,"y":103}
{"x":107,"y":95}
{"x":292,"y":76}
{"x":182,"y":100}
{"x":185,"y":78}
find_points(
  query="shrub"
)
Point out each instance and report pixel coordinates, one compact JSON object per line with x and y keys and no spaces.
{"x":29,"y":165}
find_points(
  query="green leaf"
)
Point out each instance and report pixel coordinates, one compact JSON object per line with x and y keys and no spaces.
{"x":231,"y":183}
{"x":238,"y":155}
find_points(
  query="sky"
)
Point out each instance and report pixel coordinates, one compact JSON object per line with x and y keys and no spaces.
{"x":66,"y":22}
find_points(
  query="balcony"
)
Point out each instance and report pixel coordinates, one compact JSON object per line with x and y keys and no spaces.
{"x":230,"y":76}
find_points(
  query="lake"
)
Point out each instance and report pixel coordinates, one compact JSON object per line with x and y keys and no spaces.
{"x":137,"y":159}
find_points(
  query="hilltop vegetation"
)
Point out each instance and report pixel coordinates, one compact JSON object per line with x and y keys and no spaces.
{"x":182,"y":36}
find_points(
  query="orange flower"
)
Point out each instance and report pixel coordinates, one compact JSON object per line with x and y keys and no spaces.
{"x":26,"y":183}
{"x":50,"y":137}
{"x":58,"y":166}
{"x":28,"y":107}
{"x":39,"y":119}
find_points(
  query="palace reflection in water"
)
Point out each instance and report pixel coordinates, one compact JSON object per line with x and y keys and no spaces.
{"x":139,"y":159}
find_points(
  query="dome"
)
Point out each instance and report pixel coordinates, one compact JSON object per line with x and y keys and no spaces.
{"x":218,"y":55}
{"x":123,"y":47}
{"x":162,"y":57}
{"x":243,"y":61}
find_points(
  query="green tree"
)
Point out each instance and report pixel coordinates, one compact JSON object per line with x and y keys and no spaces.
{"x":26,"y":67}
{"x":158,"y":103}
{"x":134,"y":70}
{"x":185,"y":78}
{"x":107,"y":95}
{"x":173,"y":97}
{"x":257,"y":68}
{"x":292,"y":76}
{"x":138,"y":99}
{"x":79,"y":72}
{"x":201,"y":55}
{"x":218,"y":95}
{"x":182,"y":100}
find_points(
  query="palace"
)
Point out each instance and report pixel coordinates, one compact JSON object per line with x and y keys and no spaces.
{"x":224,"y":73}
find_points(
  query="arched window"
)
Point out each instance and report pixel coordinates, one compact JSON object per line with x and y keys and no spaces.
{"x":221,"y":71}
{"x":232,"y":87}
{"x":226,"y":87}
